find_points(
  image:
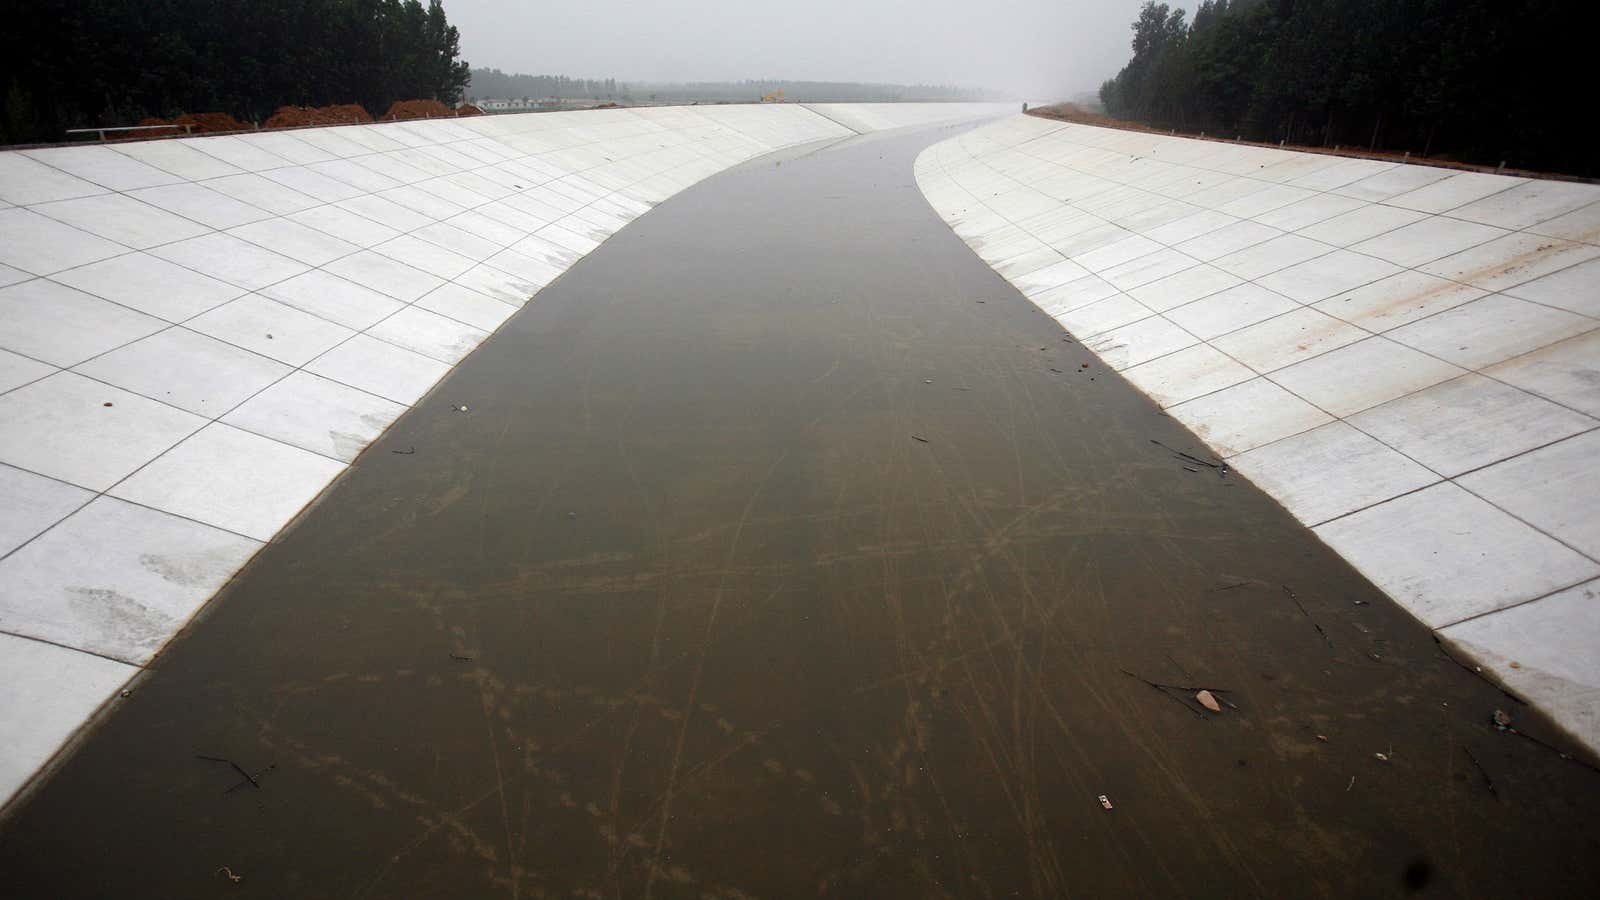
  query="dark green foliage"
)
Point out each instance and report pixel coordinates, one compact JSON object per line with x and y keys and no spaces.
{"x":1474,"y":80}
{"x":74,"y":63}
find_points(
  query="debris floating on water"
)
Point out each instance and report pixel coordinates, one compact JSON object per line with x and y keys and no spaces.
{"x":1105,"y":801}
{"x":1208,"y":701}
{"x":918,"y":437}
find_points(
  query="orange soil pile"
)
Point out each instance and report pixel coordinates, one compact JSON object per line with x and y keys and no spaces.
{"x":467,"y":109}
{"x":298,"y":116}
{"x":202,"y":122}
{"x":417,"y":109}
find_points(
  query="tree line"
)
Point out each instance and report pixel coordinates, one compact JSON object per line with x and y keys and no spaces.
{"x":80,"y":63}
{"x":493,"y":84}
{"x":1481,"y":81}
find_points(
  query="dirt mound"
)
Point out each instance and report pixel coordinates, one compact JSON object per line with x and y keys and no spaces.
{"x":299,"y":116}
{"x":467,"y":109}
{"x":201,"y":122}
{"x":401,"y":110}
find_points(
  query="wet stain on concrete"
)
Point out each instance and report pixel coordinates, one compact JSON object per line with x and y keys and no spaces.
{"x":681,"y":609}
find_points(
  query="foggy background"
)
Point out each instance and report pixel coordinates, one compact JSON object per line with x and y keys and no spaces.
{"x":1039,"y":50}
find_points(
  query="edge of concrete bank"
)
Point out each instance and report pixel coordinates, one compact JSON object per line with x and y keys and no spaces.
{"x":1405,"y":357}
{"x":202,"y":334}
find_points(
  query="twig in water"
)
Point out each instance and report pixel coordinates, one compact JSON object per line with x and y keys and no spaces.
{"x":404,"y":452}
{"x":1487,"y":781}
{"x":229,"y":872}
{"x":1191,"y":458}
{"x":236,"y":767}
{"x":1167,"y":689}
{"x":1351,"y":785}
{"x":1303,"y":612}
{"x":918,"y":437}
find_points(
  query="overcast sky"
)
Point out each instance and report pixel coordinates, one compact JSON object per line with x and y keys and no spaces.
{"x":1037,"y":49}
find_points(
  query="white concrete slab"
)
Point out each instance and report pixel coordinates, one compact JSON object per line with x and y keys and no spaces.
{"x":17,"y":370}
{"x":1457,"y":190}
{"x":1187,"y":374}
{"x":1360,"y":224}
{"x":1103,"y":315}
{"x":381,"y":273}
{"x":46,"y":693}
{"x":1544,"y":652}
{"x":380,"y":368}
{"x":1229,"y":310}
{"x":151,"y":285}
{"x":1327,"y":275}
{"x":1553,"y":489}
{"x":25,"y":181}
{"x":1191,"y":284}
{"x":336,"y":299}
{"x":1394,"y":301}
{"x":1287,"y":339}
{"x":1448,"y":555}
{"x":1528,"y":204}
{"x":188,"y":370}
{"x":1491,"y":330}
{"x":1140,"y":342}
{"x":430,"y":334}
{"x":231,"y":479}
{"x":316,"y":414}
{"x":467,"y":306}
{"x":1427,"y":240}
{"x":1567,"y":372}
{"x":1469,"y":422}
{"x":120,"y":218}
{"x":199,"y":203}
{"x":1576,"y":289}
{"x":40,"y":246}
{"x":1248,"y":415}
{"x":426,"y":256}
{"x":1364,"y":374}
{"x":1508,"y":261}
{"x":84,"y":432}
{"x":227,"y":258}
{"x":1331,"y":471}
{"x":1271,"y":255}
{"x":103,"y":166}
{"x":83,"y":584}
{"x":31,"y":503}
{"x":271,"y":329}
{"x":62,"y":326}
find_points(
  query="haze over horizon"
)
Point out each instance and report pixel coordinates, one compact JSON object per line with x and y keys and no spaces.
{"x":1035,"y":49}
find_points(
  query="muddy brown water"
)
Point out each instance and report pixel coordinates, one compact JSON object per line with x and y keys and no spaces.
{"x":769,"y":562}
